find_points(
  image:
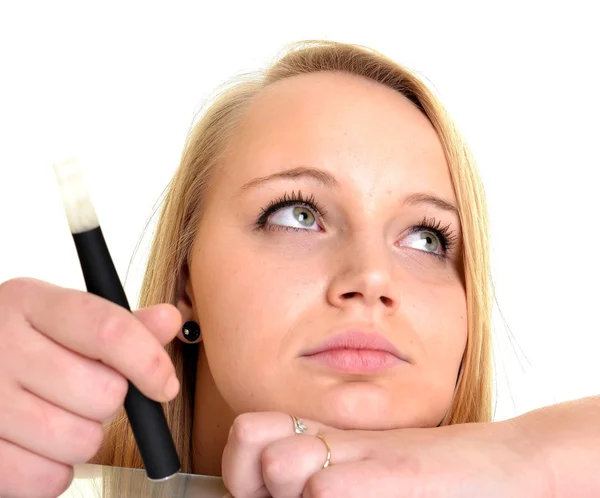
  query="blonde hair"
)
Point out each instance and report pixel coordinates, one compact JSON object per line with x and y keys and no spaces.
{"x":177,"y":226}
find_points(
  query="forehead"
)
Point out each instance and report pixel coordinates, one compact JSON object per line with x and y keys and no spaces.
{"x":363,"y":132}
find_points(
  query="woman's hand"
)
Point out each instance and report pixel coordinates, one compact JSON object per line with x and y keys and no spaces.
{"x":264,"y":457}
{"x":65,"y":356}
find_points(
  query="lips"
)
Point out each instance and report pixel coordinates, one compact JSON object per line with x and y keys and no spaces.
{"x":356,"y":351}
{"x":356,"y":340}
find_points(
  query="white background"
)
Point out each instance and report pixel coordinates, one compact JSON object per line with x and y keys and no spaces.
{"x":118,"y":83}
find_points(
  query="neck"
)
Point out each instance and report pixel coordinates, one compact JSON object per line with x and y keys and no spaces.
{"x":212,"y":419}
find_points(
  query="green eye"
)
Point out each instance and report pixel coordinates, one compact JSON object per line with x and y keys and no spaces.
{"x":425,"y":240}
{"x":296,"y":216}
{"x":429,"y":241}
{"x":304,"y":216}
{"x":291,"y":212}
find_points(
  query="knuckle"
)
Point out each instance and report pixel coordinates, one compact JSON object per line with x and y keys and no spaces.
{"x":17,"y":288}
{"x":272,"y":465}
{"x":246,"y":429}
{"x":155,"y":365}
{"x":109,"y":329}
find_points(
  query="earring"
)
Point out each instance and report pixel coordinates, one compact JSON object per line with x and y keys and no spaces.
{"x":191,"y":331}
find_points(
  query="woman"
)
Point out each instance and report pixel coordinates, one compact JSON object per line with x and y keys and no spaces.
{"x":324,"y":241}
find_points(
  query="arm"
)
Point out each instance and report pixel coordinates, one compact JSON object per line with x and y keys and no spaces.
{"x":567,"y":436}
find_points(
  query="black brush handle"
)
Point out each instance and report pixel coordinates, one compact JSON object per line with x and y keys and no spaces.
{"x":146,"y":416}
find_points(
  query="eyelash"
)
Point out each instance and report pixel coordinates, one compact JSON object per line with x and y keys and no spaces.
{"x":285,"y":201}
{"x":446,"y":236}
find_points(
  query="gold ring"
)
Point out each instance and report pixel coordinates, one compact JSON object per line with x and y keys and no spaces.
{"x":328,"y":459}
{"x":299,"y":426}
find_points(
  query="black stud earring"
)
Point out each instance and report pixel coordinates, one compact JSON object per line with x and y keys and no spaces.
{"x":191,"y":331}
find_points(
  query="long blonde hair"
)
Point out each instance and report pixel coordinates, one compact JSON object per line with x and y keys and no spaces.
{"x":179,"y":218}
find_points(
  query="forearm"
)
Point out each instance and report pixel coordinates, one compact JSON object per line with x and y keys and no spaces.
{"x":567,"y":437}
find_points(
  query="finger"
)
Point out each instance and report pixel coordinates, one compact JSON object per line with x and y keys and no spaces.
{"x":85,"y":387}
{"x":364,"y":479}
{"x":162,"y":320}
{"x":248,"y":436}
{"x":28,"y":475}
{"x":287,"y":464}
{"x":49,"y":431}
{"x":98,"y":329}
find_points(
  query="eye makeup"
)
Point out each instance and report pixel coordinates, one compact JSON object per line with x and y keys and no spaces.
{"x":445,"y":236}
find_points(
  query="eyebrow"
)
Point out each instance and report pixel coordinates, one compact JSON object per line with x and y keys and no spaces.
{"x":322,"y":177}
{"x":328,"y":180}
{"x":423,"y":198}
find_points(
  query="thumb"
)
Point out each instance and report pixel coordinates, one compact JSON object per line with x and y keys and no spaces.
{"x":163,"y":321}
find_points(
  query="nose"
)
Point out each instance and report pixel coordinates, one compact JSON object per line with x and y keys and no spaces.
{"x":363,"y":276}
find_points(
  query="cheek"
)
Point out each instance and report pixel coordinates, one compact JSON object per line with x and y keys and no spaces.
{"x":251,"y":292}
{"x":247,"y":304}
{"x":443,"y":329}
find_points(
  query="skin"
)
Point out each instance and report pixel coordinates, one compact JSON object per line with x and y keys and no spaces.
{"x":365,"y":265}
{"x":264,"y":297}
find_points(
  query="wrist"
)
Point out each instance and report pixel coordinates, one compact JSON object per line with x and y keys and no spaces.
{"x":532,"y":451}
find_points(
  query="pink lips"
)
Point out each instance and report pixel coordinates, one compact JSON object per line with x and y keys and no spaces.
{"x":356,"y":351}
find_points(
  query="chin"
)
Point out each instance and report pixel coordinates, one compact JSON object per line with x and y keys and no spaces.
{"x":368,"y":420}
{"x":361,"y":407}
{"x":364,"y":422}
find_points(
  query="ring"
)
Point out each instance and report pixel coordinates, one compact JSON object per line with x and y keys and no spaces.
{"x":299,"y":426}
{"x":328,"y":459}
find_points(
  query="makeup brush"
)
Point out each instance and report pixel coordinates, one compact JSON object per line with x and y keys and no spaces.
{"x":146,"y":416}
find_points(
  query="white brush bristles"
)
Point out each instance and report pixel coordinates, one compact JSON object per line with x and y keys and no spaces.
{"x":78,"y":206}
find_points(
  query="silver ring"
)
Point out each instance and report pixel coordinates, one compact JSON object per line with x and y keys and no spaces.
{"x":299,"y":426}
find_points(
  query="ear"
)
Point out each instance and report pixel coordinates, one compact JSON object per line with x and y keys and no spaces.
{"x":185,"y":303}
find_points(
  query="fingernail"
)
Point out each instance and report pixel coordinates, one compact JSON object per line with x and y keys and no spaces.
{"x":172,"y":387}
